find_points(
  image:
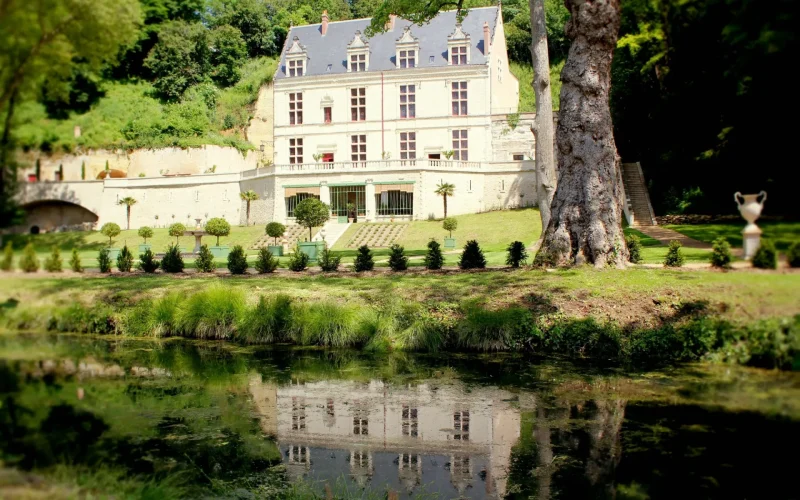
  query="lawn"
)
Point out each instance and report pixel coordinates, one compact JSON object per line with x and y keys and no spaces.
{"x":783,"y":234}
{"x":654,"y":252}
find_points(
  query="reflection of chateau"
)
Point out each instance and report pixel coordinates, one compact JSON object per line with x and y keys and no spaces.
{"x":444,"y":437}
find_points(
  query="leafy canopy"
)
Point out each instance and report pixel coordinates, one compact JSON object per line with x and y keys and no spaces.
{"x":218,"y":227}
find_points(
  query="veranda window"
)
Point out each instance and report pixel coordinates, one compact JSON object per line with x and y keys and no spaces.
{"x":293,"y":196}
{"x":394,"y":199}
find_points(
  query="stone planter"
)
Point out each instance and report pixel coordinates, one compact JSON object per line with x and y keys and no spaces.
{"x":276,"y":250}
{"x":113,"y":253}
{"x":144,"y":248}
{"x":449,"y":242}
{"x":220,"y":251}
{"x":342,"y":219}
{"x":312,"y":249}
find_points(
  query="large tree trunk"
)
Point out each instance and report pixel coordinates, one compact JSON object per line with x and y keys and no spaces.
{"x":543,"y":123}
{"x":586,"y":223}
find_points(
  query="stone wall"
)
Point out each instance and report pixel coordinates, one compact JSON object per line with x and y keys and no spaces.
{"x":508,"y":141}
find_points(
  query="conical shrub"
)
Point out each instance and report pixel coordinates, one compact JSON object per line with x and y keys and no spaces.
{"x":472,"y":256}
{"x":29,"y":262}
{"x":53,"y":263}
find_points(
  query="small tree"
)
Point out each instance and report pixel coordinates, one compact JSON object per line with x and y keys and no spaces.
{"x":248,"y":196}
{"x":275,"y":230}
{"x":218,"y":227}
{"x":148,"y":262}
{"x":237,"y":260}
{"x":793,"y":256}
{"x":205,"y":261}
{"x":444,"y":190}
{"x":363,"y":260}
{"x":176,"y":231}
{"x":125,"y":260}
{"x":311,"y":213}
{"x":450,"y":225}
{"x":674,"y":256}
{"x":766,"y":256}
{"x":128,"y":202}
{"x":54,"y":263}
{"x":472,"y":256}
{"x":75,"y":262}
{"x":145,"y":232}
{"x":172,"y":261}
{"x":434,"y":258}
{"x":104,"y":261}
{"x":517,"y":254}
{"x":110,"y":230}
{"x":29,"y":262}
{"x":329,"y":262}
{"x":266,"y":262}
{"x":721,"y":255}
{"x":397,"y":258}
{"x":298,"y":261}
{"x":634,"y":245}
{"x":8,"y":257}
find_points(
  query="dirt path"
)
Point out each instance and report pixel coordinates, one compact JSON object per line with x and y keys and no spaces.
{"x":665,"y":235}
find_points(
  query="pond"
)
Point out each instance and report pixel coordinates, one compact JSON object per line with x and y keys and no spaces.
{"x":221,"y":420}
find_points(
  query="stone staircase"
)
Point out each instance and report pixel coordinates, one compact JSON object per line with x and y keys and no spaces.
{"x":293,"y":234}
{"x":637,"y":195}
{"x":378,"y":235}
{"x":333,"y":231}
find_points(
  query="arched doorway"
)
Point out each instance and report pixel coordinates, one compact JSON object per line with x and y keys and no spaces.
{"x":51,"y":215}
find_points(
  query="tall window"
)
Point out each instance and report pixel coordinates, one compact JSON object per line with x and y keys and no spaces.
{"x":358,"y":148}
{"x":459,"y":93}
{"x":461,"y":425}
{"x":408,"y":146}
{"x":408,"y":101}
{"x":296,"y":150}
{"x":408,"y":58}
{"x":410,"y":422}
{"x":460,"y":145}
{"x":360,"y":424}
{"x":458,"y":55}
{"x":295,"y":108}
{"x":358,"y":62}
{"x":327,"y":114}
{"x":358,"y":104}
{"x":296,"y":67}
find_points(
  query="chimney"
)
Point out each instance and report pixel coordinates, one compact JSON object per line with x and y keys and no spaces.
{"x":390,"y":23}
{"x":486,"y":38}
{"x":324,"y":28}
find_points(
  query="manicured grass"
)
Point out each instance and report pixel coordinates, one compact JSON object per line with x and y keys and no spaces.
{"x":783,"y":234}
{"x":653,"y":251}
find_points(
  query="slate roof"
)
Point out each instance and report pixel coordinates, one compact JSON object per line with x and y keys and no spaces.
{"x":332,"y":48}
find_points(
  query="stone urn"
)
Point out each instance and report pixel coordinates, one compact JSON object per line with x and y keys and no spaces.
{"x":750,"y":208}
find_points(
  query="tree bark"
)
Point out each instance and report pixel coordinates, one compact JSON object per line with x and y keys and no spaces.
{"x":444,"y":197}
{"x":586,"y":223}
{"x":129,"y":216}
{"x":248,"y":212}
{"x":543,"y":122}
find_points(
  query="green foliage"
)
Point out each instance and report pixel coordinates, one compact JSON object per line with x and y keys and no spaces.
{"x":217,"y":227}
{"x":29,"y":262}
{"x":104,"y":260}
{"x":523,"y":71}
{"x":204,"y":262}
{"x":237,"y":260}
{"x":721,"y":255}
{"x":793,"y":255}
{"x":634,"y":244}
{"x":266,"y":262}
{"x":472,"y":256}
{"x":54,"y":263}
{"x":328,"y":324}
{"x":397,"y":258}
{"x":8,"y":257}
{"x":125,"y":260}
{"x":363,"y":261}
{"x":172,"y":262}
{"x":298,"y":261}
{"x":450,"y":224}
{"x":159,"y":318}
{"x":227,"y":55}
{"x":433,"y":257}
{"x":148,"y":262}
{"x":311,"y":213}
{"x":500,"y":330}
{"x":110,"y":230}
{"x":269,"y":321}
{"x":75,"y":262}
{"x":275,"y":230}
{"x":211,"y":313}
{"x":145,"y":232}
{"x":674,"y":256}
{"x":180,"y":59}
{"x":766,"y":257}
{"x":176,"y":230}
{"x":328,"y":261}
{"x":516,"y":254}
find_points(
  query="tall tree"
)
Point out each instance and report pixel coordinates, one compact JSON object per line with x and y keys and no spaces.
{"x":444,"y":190}
{"x":180,"y":59}
{"x":586,"y":221}
{"x":128,"y":201}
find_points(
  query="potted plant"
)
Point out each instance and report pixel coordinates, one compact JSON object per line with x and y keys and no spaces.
{"x":311,"y":213}
{"x":450,"y":225}
{"x":176,"y":230}
{"x":218,"y":227}
{"x":145,"y":232}
{"x":351,"y":212}
{"x":275,"y":230}
{"x":111,"y":230}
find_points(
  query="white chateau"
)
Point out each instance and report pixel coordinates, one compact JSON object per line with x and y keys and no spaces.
{"x":373,"y":122}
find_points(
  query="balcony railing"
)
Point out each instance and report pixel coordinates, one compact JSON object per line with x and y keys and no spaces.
{"x":377,"y":165}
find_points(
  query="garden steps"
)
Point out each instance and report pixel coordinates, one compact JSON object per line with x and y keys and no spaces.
{"x":636,"y":191}
{"x":377,"y":235}
{"x":665,"y":235}
{"x":333,"y":231}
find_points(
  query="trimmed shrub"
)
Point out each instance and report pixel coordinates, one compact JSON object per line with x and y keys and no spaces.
{"x":721,"y":254}
{"x":433,"y":257}
{"x":176,"y":231}
{"x":125,"y":260}
{"x":793,"y":256}
{"x":29,"y":262}
{"x":8,"y":257}
{"x":328,"y":324}
{"x":674,"y":256}
{"x":363,"y":260}
{"x":766,"y":256}
{"x":397,"y":258}
{"x":267,"y":322}
{"x":218,"y":227}
{"x":237,"y":260}
{"x":275,"y":230}
{"x":145,"y":232}
{"x":266,"y":262}
{"x":172,"y":261}
{"x":298,"y":261}
{"x":104,"y":261}
{"x":450,"y":225}
{"x":311,"y":213}
{"x":472,"y":256}
{"x":212,"y":313}
{"x":110,"y":230}
{"x":329,"y":262}
{"x":148,"y":262}
{"x":517,"y":254}
{"x":54,"y":263}
{"x":75,"y":262}
{"x":205,"y":261}
{"x":634,"y":244}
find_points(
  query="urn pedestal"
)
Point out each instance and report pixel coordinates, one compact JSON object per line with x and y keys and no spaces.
{"x":750,"y":208}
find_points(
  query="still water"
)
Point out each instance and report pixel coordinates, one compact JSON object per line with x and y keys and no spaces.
{"x":249,"y":422}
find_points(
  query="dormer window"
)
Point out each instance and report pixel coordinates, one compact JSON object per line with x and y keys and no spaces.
{"x":458,"y":46}
{"x":296,"y":58}
{"x":357,"y":54}
{"x":407,"y":47}
{"x":408,"y":58}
